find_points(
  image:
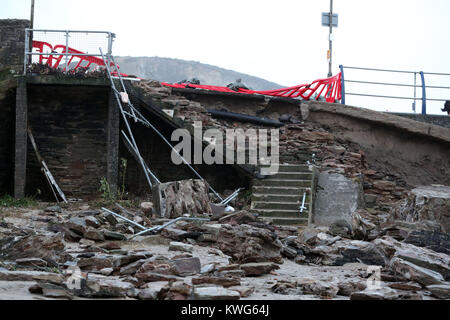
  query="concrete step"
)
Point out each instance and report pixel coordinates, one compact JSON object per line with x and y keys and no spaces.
{"x":288,"y":221}
{"x":276,"y":205}
{"x":294,"y":191}
{"x":277,"y":213}
{"x":297,"y":198}
{"x":282,"y":183}
{"x":290,"y":176}
{"x":291,"y":168}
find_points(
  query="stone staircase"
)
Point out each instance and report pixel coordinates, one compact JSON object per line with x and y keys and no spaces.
{"x":278,"y":197}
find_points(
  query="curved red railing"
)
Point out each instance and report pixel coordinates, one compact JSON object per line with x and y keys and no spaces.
{"x":329,"y":88}
{"x":56,"y":54}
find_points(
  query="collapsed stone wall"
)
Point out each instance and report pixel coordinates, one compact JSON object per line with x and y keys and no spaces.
{"x":69,"y":125}
{"x":12,"y":44}
{"x":254,"y":105}
{"x":157,"y":155}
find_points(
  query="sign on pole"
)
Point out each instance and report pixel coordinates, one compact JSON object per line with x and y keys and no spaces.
{"x":326,"y":19}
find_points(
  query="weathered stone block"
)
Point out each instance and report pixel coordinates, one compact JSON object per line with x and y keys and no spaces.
{"x":174,"y":199}
{"x":337,"y":198}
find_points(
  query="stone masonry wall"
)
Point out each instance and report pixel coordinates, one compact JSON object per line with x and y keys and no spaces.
{"x":158,"y":157}
{"x":12,"y":43}
{"x":69,"y":125}
{"x":7,"y":106}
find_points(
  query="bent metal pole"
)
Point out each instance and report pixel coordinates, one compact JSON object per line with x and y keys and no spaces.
{"x":144,"y":121}
{"x":136,"y":149}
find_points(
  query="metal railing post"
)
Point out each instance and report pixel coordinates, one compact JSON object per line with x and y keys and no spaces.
{"x":424,"y":95}
{"x":67,"y":51}
{"x":342,"y":84}
{"x":110,"y":42}
{"x":415,"y":91}
{"x":27,"y":48}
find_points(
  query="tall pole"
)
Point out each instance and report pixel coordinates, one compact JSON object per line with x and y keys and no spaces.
{"x":330,"y":39}
{"x":31,"y":33}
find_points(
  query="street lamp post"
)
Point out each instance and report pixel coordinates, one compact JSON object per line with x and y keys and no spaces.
{"x":330,"y":20}
{"x":330,"y":39}
{"x":31,"y":27}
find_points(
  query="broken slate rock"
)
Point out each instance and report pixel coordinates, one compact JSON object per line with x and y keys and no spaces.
{"x":47,"y":247}
{"x":100,"y":286}
{"x":31,"y":276}
{"x":384,"y":293}
{"x":245,"y":243}
{"x":174,"y":234}
{"x":231,"y":273}
{"x":132,"y":268}
{"x":243,"y":291}
{"x":288,"y":252}
{"x":152,"y":290}
{"x":94,"y":263}
{"x":51,"y":290}
{"x":92,"y":222}
{"x":187,"y":266}
{"x":208,"y":268}
{"x":93,"y":234}
{"x":31,"y":262}
{"x":405,"y":286}
{"x":88,"y":213}
{"x":155,"y":277}
{"x":55,"y":209}
{"x":257,"y":269}
{"x":147,"y":208}
{"x":221,"y":281}
{"x":434,"y":240}
{"x":413,"y":272}
{"x":326,"y":289}
{"x":215,"y":293}
{"x":441,"y":291}
{"x":241,"y":217}
{"x":112,"y":235}
{"x":422,"y":257}
{"x":121,"y":260}
{"x":346,"y":288}
{"x":77,"y":225}
{"x":180,"y":246}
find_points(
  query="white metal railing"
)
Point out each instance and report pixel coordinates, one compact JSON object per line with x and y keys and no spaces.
{"x":424,"y":97}
{"x":70,"y":44}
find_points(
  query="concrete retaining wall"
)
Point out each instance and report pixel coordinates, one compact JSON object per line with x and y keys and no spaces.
{"x":439,"y":120}
{"x":419,"y":153}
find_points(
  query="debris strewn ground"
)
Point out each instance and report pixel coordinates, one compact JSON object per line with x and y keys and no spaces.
{"x":79,"y":252}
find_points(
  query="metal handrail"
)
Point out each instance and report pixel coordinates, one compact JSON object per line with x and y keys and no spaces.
{"x":423,"y":85}
{"x":382,"y":70}
{"x":397,"y":84}
{"x":66,"y":53}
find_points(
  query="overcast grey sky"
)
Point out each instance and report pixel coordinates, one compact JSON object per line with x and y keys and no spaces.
{"x":281,"y":41}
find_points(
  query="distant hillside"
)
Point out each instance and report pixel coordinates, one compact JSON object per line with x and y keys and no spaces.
{"x":174,"y":70}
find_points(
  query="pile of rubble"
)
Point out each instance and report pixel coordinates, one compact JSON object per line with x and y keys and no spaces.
{"x":299,"y":143}
{"x":79,"y":73}
{"x":90,"y":254}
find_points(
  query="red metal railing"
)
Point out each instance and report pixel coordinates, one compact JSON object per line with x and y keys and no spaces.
{"x":56,"y":54}
{"x":329,"y":89}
